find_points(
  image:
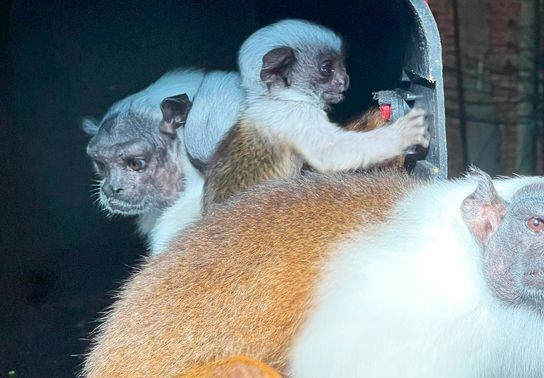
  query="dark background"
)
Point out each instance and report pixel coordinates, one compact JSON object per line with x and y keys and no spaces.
{"x":61,"y":60}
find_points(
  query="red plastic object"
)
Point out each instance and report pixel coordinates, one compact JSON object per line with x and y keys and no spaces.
{"x":385,"y":111}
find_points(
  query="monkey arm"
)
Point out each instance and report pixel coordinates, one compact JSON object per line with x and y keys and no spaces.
{"x":371,"y":120}
{"x":331,"y":150}
{"x":328,"y":148}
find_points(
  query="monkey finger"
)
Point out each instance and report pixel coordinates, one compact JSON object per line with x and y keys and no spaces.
{"x":425,"y":140}
{"x":427,"y":134}
{"x":415,"y":113}
{"x":419,"y":122}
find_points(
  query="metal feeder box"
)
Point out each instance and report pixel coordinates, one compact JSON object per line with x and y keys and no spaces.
{"x":421,"y":85}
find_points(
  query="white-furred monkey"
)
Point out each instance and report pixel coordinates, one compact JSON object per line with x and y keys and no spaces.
{"x":292,"y":72}
{"x":144,"y":169}
{"x":347,"y":275}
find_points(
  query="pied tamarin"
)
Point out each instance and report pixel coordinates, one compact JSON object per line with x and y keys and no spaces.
{"x":147,"y":147}
{"x":292,"y":72}
{"x":346,"y":275}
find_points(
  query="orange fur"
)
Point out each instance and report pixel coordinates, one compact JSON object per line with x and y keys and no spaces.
{"x":369,"y":120}
{"x":233,"y":367}
{"x":241,"y":281}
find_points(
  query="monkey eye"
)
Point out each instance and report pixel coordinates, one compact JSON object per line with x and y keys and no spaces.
{"x":326,"y":68}
{"x":536,"y":224}
{"x":136,"y":164}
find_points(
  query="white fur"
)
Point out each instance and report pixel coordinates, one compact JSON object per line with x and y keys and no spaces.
{"x":215,"y":110}
{"x":296,"y":118}
{"x":410,"y":301}
{"x":293,"y":33}
{"x":182,"y":213}
{"x":147,"y":102}
{"x":324,"y":145}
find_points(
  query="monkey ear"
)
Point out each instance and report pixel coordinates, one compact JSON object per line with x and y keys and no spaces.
{"x":90,"y":126}
{"x":277,"y":65}
{"x":484,"y":209}
{"x":174,"y":113}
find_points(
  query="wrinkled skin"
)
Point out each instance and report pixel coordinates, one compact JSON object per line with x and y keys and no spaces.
{"x":512,"y":239}
{"x":138,"y":166}
{"x":514,"y":255}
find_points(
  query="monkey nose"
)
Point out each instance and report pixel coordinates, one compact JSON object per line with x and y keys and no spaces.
{"x":342,"y":82}
{"x":111,"y":188}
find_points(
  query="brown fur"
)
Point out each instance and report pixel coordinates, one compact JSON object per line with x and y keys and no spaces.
{"x":245,"y":158}
{"x":239,"y":282}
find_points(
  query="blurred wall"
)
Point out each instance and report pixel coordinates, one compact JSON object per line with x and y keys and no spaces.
{"x":501,"y":50}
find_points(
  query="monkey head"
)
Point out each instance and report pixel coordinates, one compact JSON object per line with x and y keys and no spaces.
{"x":512,"y":236}
{"x":136,"y":157}
{"x":294,"y":60}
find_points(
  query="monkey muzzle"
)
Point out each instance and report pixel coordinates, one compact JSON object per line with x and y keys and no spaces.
{"x":336,"y":89}
{"x":333,"y":97}
{"x":117,"y":206}
{"x":535,"y":278}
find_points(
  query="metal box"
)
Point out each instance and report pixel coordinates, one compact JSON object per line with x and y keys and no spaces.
{"x":421,"y":85}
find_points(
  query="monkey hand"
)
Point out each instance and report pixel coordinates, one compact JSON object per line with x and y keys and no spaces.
{"x":412,"y":129}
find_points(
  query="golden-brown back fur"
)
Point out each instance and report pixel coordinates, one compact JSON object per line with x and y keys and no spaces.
{"x":239,"y":282}
{"x":245,"y":158}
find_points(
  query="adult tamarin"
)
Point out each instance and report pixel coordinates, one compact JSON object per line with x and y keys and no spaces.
{"x":349,"y":275}
{"x":292,"y":72}
{"x":145,"y":148}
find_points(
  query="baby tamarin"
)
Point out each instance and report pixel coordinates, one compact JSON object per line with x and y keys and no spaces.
{"x":292,"y":72}
{"x":376,"y":275}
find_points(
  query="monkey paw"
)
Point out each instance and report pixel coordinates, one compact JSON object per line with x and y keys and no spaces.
{"x":412,"y":129}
